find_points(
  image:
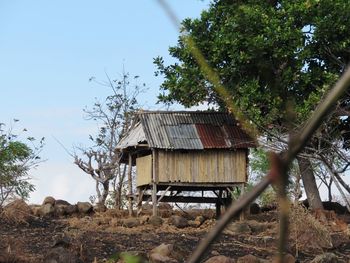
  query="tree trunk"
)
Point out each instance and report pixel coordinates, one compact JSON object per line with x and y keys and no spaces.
{"x":104,"y":192}
{"x":309,"y":181}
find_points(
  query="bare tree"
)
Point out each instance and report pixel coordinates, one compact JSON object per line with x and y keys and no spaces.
{"x":114,"y":116}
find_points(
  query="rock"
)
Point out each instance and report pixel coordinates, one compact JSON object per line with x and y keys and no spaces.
{"x":178,"y":221}
{"x":61,"y":241}
{"x":250,"y":259}
{"x":17,"y":211}
{"x":131,"y":222}
{"x":46,"y":210}
{"x":60,"y":210}
{"x":257,"y":227}
{"x":71,"y":209}
{"x":254,"y":209}
{"x":61,"y":255}
{"x":84,"y":207}
{"x":326,"y":258}
{"x":288,"y":258}
{"x":155,"y":221}
{"x":199,"y":220}
{"x":165,"y":253}
{"x":238,"y":228}
{"x":61,"y":202}
{"x":100,"y":208}
{"x":219,"y":259}
{"x":49,"y":200}
{"x":35,"y":209}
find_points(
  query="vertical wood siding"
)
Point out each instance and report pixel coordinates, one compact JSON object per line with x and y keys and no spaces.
{"x":144,"y":170}
{"x":202,"y":166}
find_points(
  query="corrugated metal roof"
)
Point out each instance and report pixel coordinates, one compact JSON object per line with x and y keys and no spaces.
{"x":133,"y":138}
{"x":189,"y":130}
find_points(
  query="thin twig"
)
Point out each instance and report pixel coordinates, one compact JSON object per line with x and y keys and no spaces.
{"x":226,"y":218}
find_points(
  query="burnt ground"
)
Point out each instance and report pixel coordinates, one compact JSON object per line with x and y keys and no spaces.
{"x":29,"y":242}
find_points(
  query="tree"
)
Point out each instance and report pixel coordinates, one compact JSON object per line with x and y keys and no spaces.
{"x":114,"y":117}
{"x":16,"y":159}
{"x":268,"y":55}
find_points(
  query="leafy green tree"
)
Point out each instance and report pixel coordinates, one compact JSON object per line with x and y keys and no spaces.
{"x":16,"y":159}
{"x":268,"y":55}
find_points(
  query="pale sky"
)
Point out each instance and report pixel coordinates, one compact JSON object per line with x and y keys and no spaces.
{"x":48,"y":52}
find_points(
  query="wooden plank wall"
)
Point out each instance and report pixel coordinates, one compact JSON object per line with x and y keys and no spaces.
{"x":202,"y":166}
{"x":144,"y":170}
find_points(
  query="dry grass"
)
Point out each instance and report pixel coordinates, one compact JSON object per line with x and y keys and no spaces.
{"x":11,"y":251}
{"x":306,"y":232}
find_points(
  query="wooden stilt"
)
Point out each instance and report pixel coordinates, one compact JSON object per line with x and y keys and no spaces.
{"x":130,"y":185}
{"x":154,"y":199}
{"x":242,"y":214}
{"x":140,"y":192}
{"x":218,"y":204}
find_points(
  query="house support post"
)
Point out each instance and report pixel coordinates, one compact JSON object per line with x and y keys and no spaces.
{"x":154,"y":185}
{"x":154,"y":199}
{"x":218,"y":204}
{"x":130,"y":185}
{"x":140,"y":193}
{"x":243,"y":212}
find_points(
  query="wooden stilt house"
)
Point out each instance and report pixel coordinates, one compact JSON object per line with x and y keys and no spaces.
{"x":177,"y":152}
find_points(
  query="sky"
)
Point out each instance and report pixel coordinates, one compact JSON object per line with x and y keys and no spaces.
{"x":48,"y":52}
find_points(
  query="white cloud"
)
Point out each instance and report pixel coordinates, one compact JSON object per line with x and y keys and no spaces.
{"x":62,"y":181}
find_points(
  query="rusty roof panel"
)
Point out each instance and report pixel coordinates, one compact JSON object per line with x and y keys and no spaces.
{"x":211,"y":136}
{"x":192,"y":130}
{"x":238,"y":138}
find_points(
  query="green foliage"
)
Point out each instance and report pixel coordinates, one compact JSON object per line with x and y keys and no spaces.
{"x":16,"y":159}
{"x":125,"y":257}
{"x":258,"y":164}
{"x":266,"y":53}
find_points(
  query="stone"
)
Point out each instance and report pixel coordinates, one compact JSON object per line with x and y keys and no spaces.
{"x":60,"y":210}
{"x":35,"y":209}
{"x":155,"y":221}
{"x":254,"y":209}
{"x":17,"y":211}
{"x":71,"y":209}
{"x":84,"y":207}
{"x":219,"y":259}
{"x":163,"y":253}
{"x":61,"y":255}
{"x":100,"y":208}
{"x":250,"y":259}
{"x":178,"y":221}
{"x":197,"y":222}
{"x":61,"y":202}
{"x":131,"y":222}
{"x":46,"y":210}
{"x":288,"y":258}
{"x":238,"y":228}
{"x":326,"y":258}
{"x":257,"y":227}
{"x":49,"y":200}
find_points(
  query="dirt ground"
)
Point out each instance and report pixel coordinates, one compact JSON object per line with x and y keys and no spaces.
{"x":95,"y":240}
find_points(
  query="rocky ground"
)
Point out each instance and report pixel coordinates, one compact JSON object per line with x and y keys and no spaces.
{"x":105,"y":237}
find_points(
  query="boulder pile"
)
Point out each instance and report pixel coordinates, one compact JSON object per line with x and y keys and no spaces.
{"x":59,"y":208}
